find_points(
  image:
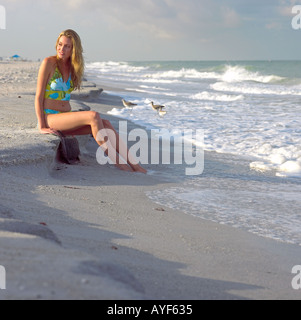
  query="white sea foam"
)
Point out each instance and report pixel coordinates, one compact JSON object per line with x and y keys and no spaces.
{"x":241,"y":74}
{"x":247,"y":110}
{"x":212,"y":96}
{"x":183,"y":73}
{"x":242,"y":110}
{"x":107,"y":67}
{"x":253,"y":89}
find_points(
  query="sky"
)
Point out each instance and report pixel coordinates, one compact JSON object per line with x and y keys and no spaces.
{"x":148,"y":30}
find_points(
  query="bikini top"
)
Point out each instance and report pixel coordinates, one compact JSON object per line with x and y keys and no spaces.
{"x":57,"y":89}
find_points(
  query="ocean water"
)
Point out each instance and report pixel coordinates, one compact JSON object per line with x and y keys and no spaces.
{"x":250,"y":110}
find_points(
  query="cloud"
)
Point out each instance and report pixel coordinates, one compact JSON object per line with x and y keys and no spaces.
{"x":165,"y":19}
{"x":151,"y":16}
{"x":274,"y":26}
{"x":162,"y":19}
{"x":231,"y":18}
{"x":285,"y":7}
{"x":191,"y":27}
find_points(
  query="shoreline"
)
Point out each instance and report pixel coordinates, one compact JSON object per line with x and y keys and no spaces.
{"x":252,"y":205}
{"x":90,"y":232}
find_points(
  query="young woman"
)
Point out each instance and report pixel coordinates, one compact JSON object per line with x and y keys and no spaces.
{"x":58,"y":77}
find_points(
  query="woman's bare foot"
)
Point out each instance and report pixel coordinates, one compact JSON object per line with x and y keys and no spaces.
{"x":138,"y":168}
{"x":124,"y":167}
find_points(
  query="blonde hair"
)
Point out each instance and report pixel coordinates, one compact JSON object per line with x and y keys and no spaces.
{"x":77,"y":59}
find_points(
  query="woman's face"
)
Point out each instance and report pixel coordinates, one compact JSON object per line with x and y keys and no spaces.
{"x":64,"y":48}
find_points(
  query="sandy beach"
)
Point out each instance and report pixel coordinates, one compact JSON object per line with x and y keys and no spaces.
{"x":88,"y":231}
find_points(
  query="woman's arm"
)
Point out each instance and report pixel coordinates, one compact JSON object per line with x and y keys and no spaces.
{"x":43,"y":77}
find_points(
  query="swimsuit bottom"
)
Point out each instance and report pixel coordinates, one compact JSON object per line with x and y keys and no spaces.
{"x":50,"y":111}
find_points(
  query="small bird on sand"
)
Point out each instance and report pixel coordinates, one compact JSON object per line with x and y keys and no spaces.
{"x":128,"y":104}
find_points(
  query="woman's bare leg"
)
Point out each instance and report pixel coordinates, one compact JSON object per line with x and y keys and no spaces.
{"x":123,"y":150}
{"x":77,"y":122}
{"x":79,"y":132}
{"x":120,"y":145}
{"x":86,"y":122}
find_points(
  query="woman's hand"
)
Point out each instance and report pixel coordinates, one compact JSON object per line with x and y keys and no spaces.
{"x":50,"y":131}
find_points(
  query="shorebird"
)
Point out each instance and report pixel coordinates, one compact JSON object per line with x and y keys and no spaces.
{"x":128,"y":104}
{"x":157,"y":107}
